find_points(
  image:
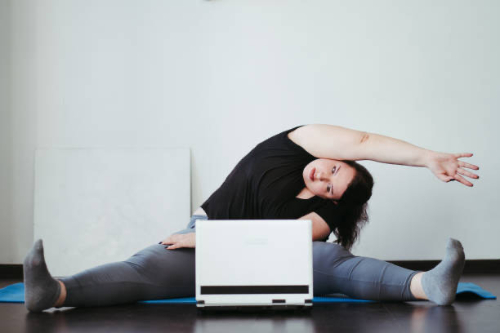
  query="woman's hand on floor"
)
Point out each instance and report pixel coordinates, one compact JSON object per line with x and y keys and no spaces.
{"x":180,"y":240}
{"x":447,"y":167}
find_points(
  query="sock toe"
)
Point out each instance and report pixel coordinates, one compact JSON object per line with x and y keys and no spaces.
{"x":453,"y":243}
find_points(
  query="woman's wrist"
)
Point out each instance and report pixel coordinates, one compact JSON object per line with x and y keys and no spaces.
{"x":426,"y":158}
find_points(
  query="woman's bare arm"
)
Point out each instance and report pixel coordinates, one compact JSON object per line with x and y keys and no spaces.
{"x":340,"y":143}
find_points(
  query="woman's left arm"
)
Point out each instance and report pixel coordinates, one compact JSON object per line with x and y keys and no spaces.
{"x":335,"y":142}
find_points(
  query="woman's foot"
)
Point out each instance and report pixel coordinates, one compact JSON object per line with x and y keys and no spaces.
{"x":41,"y":291}
{"x":440,"y":283}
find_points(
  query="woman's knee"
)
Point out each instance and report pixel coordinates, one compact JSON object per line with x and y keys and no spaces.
{"x":157,"y":262}
{"x":325,"y":253}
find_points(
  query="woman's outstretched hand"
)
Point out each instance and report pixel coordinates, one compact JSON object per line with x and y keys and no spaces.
{"x":180,"y":240}
{"x":448,"y":167}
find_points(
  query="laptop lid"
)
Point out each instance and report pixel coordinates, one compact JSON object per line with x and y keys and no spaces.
{"x":254,"y":262}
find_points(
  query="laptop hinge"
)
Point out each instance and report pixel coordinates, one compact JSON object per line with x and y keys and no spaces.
{"x":308,"y":301}
{"x":200,"y":302}
{"x":279,"y":301}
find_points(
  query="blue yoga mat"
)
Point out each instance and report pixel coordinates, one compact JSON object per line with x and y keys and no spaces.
{"x":15,"y":294}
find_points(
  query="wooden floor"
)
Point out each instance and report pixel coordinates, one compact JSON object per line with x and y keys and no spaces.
{"x":465,"y":315}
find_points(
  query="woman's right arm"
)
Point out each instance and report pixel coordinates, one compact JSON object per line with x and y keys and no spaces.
{"x":340,"y":143}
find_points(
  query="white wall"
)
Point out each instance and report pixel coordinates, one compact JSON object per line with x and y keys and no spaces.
{"x":220,"y":76}
{"x":5,"y":133}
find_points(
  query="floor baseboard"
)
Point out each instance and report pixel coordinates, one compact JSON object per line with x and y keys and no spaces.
{"x":13,"y":271}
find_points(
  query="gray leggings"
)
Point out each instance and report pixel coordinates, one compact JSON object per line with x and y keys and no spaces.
{"x":157,"y":273}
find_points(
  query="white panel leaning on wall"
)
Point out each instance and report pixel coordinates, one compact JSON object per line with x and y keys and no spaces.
{"x":94,"y":206}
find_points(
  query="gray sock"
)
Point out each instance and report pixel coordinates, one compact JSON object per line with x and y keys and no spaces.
{"x":440,"y":283}
{"x":41,"y":289}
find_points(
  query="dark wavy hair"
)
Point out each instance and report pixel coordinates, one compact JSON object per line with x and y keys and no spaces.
{"x":353,"y":206}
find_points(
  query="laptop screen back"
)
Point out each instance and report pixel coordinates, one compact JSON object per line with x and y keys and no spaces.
{"x":253,"y":262}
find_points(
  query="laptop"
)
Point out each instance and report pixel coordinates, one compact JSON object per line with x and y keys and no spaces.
{"x":254,"y":264}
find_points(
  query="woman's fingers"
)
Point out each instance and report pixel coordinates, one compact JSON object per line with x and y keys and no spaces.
{"x":463,"y":155}
{"x":172,"y":245}
{"x":448,"y":168}
{"x":176,"y":241}
{"x":465,"y":164}
{"x":467,"y":173}
{"x":468,"y":165}
{"x":170,"y":240}
{"x":463,"y":180}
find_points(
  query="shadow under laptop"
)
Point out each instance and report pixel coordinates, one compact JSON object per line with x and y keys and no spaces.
{"x":250,"y":320}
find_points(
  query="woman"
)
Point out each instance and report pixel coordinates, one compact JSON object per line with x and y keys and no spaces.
{"x":307,"y":172}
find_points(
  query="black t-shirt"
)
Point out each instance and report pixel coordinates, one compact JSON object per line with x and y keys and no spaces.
{"x":265,"y":183}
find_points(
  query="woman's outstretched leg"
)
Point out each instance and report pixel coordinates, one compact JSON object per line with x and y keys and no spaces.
{"x":152,"y":273}
{"x":336,"y":270}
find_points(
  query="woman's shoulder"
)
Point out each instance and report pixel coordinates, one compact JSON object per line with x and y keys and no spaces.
{"x":281,"y":146}
{"x":280,"y":140}
{"x":294,"y":134}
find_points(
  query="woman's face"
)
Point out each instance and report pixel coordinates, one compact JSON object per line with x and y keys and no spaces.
{"x":327,"y":178}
